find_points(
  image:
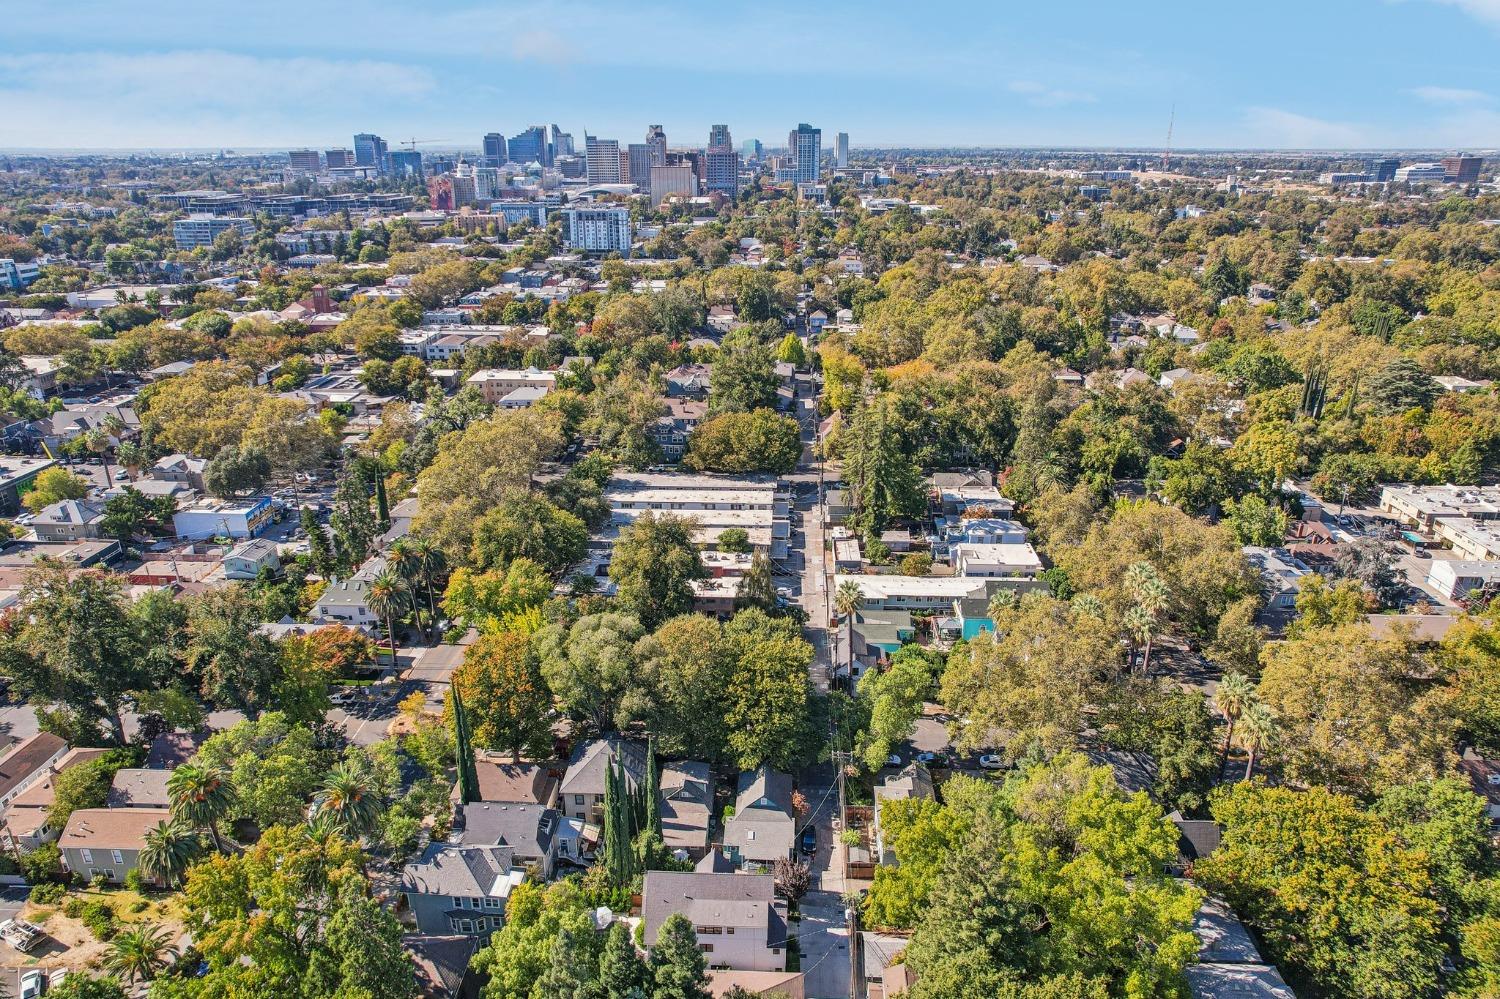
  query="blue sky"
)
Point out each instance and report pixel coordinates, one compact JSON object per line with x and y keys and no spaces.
{"x":275,"y":73}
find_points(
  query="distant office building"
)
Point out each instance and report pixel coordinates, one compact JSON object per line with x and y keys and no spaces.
{"x":721,"y":164}
{"x":638,"y":164}
{"x":1461,"y":169}
{"x":572,"y":166}
{"x":805,"y":144}
{"x":202,"y":229}
{"x":603,"y":159}
{"x":486,"y":183}
{"x":534,"y":212}
{"x":656,"y":141}
{"x":333,"y":158}
{"x":530,"y":146}
{"x":753,"y":150}
{"x":494,"y":149}
{"x":406,"y":163}
{"x":464,"y":188}
{"x":841,"y":151}
{"x":370,"y":150}
{"x":305,"y":159}
{"x":1344,"y":177}
{"x":1420,"y":173}
{"x":17,"y":274}
{"x":672,"y":179}
{"x":602,"y":229}
{"x":562,"y":143}
{"x":1383,"y":170}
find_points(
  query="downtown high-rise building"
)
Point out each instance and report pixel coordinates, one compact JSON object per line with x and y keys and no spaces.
{"x":338,"y":158}
{"x":493,"y":149}
{"x":406,"y":163}
{"x":306,"y":160}
{"x":721,"y":164}
{"x":562,"y":143}
{"x":638,"y":164}
{"x":370,"y":150}
{"x":805,"y":144}
{"x":603,"y":157}
{"x":841,"y":151}
{"x":530,"y":146}
{"x":656,"y":141}
{"x":751,"y":149}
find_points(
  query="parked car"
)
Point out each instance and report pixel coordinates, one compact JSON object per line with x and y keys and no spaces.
{"x":122,"y":476}
{"x":930,"y":759}
{"x":810,"y":840}
{"x":991,"y":762}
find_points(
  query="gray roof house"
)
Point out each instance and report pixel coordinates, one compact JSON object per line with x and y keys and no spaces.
{"x":739,"y":921}
{"x":687,"y":800}
{"x":1229,"y":965}
{"x":763,"y":827}
{"x":582,"y":791}
{"x":249,"y":557}
{"x":69,"y":520}
{"x":913,"y":782}
{"x":343,"y":600}
{"x":530,"y":831}
{"x":139,"y":789}
{"x":461,"y":889}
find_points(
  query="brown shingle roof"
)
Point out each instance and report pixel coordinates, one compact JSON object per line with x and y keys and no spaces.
{"x":111,"y":828}
{"x":26,"y":759}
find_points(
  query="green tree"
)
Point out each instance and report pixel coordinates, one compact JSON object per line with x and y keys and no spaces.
{"x":201,"y":797}
{"x":350,"y":797}
{"x":790,"y":351}
{"x":170,"y":849}
{"x":139,"y":953}
{"x":922,"y":835}
{"x":274,"y":767}
{"x":388,"y":597}
{"x":738,"y":442}
{"x":769,"y":700}
{"x":1339,"y":904}
{"x":235,"y":470}
{"x":1253,"y":521}
{"x":688,"y":664}
{"x":678,"y":967}
{"x":78,"y":985}
{"x":653,"y":562}
{"x":501,"y":678}
{"x":570,"y":973}
{"x":622,"y":973}
{"x":1402,"y":385}
{"x":734,"y":539}
{"x":52,"y":485}
{"x":1234,"y":694}
{"x":525,"y":525}
{"x":883,"y":480}
{"x":744,"y":376}
{"x":895,"y":700}
{"x":592,"y":670}
{"x":521,"y":951}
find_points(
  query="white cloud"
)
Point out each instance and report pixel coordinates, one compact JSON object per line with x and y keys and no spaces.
{"x":540,"y":45}
{"x":1449,"y":95}
{"x":1041,"y":95}
{"x":1484,"y":10}
{"x":1278,"y":129}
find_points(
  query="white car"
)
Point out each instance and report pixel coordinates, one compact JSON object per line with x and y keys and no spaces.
{"x":992,"y":762}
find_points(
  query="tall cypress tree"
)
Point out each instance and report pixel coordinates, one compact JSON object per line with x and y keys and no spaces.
{"x":468,"y":779}
{"x":652,"y":823}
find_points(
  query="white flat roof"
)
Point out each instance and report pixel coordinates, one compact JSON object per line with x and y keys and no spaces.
{"x":1004,"y":552}
{"x":879,"y":587}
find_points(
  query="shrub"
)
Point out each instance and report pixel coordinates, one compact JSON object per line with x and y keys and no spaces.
{"x":100,"y":919}
{"x":73,"y":907}
{"x":134,"y":881}
{"x":139,"y":905}
{"x":41,"y":864}
{"x":47,"y":893}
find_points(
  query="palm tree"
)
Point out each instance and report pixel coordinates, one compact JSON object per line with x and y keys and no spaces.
{"x":140,"y":952}
{"x":169,"y":851}
{"x":1151,"y":599}
{"x":431,"y":563}
{"x":350,"y":796}
{"x":1002,"y":601}
{"x":846,"y":600}
{"x":1258,"y":732}
{"x":1234,"y":695}
{"x":388,"y":598}
{"x":201,"y":797}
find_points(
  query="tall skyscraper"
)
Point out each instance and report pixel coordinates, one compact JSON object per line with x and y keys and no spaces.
{"x":805,"y":143}
{"x":562,"y":143}
{"x":603,"y":158}
{"x":721,"y":166}
{"x":638,"y":160}
{"x":494,"y":149}
{"x":338,"y":158}
{"x":656,"y":141}
{"x":370,"y":150}
{"x":530,"y":146}
{"x":752,"y":150}
{"x":406,"y":163}
{"x":841,"y":151}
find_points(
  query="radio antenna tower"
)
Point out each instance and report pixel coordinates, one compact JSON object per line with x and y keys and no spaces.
{"x":1166,"y":154}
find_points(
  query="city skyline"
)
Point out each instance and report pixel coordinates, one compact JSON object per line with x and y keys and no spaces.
{"x":91,"y":76}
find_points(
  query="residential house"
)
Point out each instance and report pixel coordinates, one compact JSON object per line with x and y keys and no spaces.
{"x":181,"y":468}
{"x":1281,"y":576}
{"x":24,"y":823}
{"x":441,"y":962}
{"x":689,"y":381}
{"x":500,"y":779}
{"x":27,"y":762}
{"x":134,"y":788}
{"x":107,"y":842}
{"x":878,"y":635}
{"x":1229,"y":965}
{"x":498,"y":385}
{"x":773,"y":984}
{"x":673,"y":428}
{"x":687,"y":801}
{"x":913,"y":782}
{"x":532,"y":832}
{"x":69,"y":520}
{"x":343,"y":600}
{"x":1001,"y":561}
{"x":739,"y":921}
{"x":1484,"y":775}
{"x":763,"y":827}
{"x":932,"y":593}
{"x":171,"y":750}
{"x":461,"y":889}
{"x":249,"y":558}
{"x":582,"y":791}
{"x":1457,"y":578}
